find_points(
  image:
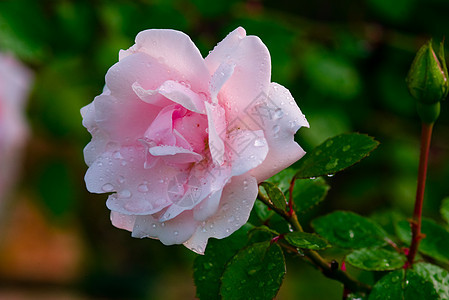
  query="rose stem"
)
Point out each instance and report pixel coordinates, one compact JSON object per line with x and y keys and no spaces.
{"x":290,"y":196}
{"x":313,"y":256}
{"x":426,"y":135}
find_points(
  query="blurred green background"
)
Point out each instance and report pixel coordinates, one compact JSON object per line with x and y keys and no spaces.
{"x":345,"y":63}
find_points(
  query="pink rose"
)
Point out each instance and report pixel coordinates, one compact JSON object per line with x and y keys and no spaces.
{"x":15,"y":82}
{"x":181,"y":141}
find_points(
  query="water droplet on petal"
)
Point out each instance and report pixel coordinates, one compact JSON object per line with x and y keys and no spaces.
{"x":260,"y":142}
{"x":154,"y":225}
{"x":117,"y":155}
{"x":125,"y":193}
{"x":163,"y":224}
{"x":107,"y":187}
{"x":231,"y":219}
{"x":175,"y":232}
{"x":278,"y":113}
{"x":143,"y":188}
{"x":121,"y":179}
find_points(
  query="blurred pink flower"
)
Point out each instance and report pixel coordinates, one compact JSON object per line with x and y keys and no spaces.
{"x":15,"y":83}
{"x":182,"y":141}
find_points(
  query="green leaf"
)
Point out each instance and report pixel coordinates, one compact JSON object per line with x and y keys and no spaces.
{"x":255,"y":272}
{"x":437,"y":276}
{"x":349,"y":230}
{"x":208,"y":268}
{"x":402,"y":284}
{"x":261,"y":234}
{"x":435,"y":243}
{"x":306,"y":240}
{"x":444,"y":210}
{"x":283,"y":178}
{"x":279,"y":224}
{"x":335,"y":154}
{"x":376,"y":259}
{"x":308,"y":193}
{"x":275,"y":194}
{"x":260,"y":213}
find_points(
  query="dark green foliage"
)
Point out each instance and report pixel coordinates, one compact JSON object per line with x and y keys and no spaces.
{"x":306,"y":240}
{"x":255,"y":272}
{"x":376,"y":259}
{"x":349,"y":230}
{"x":335,"y":154}
{"x":308,"y":193}
{"x":435,"y":243}
{"x":403,"y":284}
{"x":209,"y":268}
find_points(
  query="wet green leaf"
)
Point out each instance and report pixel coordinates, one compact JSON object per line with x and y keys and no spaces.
{"x":402,"y":284}
{"x":349,"y":230}
{"x":261,"y":234}
{"x":208,"y":268}
{"x":283,"y":178}
{"x":260,"y":213}
{"x":275,"y":194}
{"x":255,"y":272}
{"x":376,"y":259}
{"x":335,"y":154}
{"x":437,"y":276}
{"x":309,"y":192}
{"x":435,"y":243}
{"x":306,"y":240}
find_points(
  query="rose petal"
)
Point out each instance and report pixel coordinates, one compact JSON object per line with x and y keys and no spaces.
{"x":160,"y":132}
{"x":113,"y":116}
{"x":174,"y":91}
{"x":208,"y":207}
{"x":251,"y":75}
{"x":235,"y":206}
{"x":201,"y":184}
{"x":249,"y":149}
{"x":88,"y":115}
{"x":150,"y":96}
{"x":177,"y":51}
{"x":95,"y":147}
{"x":141,"y":68}
{"x":123,"y":221}
{"x":175,"y":231}
{"x":280,"y":128}
{"x":222,"y":52}
{"x":175,"y":154}
{"x":217,"y":127}
{"x":99,"y":138}
{"x":223,"y":73}
{"x":139,"y":191}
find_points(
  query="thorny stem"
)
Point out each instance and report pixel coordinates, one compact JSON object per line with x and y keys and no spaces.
{"x":426,"y":135}
{"x":313,"y":256}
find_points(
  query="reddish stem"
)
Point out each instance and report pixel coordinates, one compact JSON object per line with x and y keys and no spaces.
{"x":290,"y":197}
{"x":426,"y":135}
